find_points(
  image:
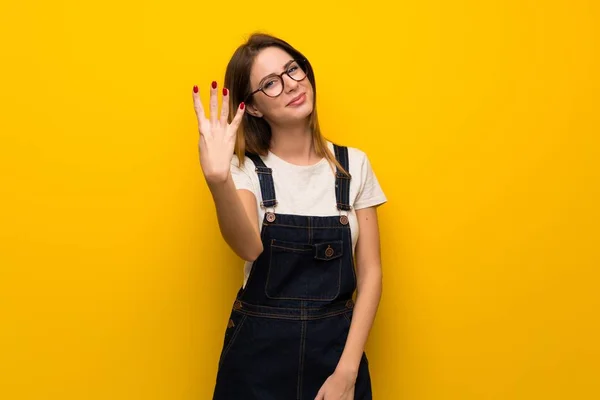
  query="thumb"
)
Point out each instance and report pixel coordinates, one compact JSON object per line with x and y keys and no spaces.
{"x":237,"y":119}
{"x":320,"y":395}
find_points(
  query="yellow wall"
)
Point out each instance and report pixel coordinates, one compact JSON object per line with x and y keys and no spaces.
{"x":481,"y":119}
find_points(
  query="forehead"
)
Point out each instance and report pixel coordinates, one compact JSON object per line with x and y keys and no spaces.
{"x":269,"y":61}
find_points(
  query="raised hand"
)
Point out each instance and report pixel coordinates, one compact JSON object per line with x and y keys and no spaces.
{"x":217,"y":136}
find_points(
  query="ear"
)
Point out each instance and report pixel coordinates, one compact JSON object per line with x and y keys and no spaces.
{"x":252,"y":110}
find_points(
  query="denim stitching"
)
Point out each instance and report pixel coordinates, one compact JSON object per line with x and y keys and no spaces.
{"x":342,"y":181}
{"x":352,"y":264}
{"x":344,"y":206}
{"x":314,"y":227}
{"x":301,"y":361}
{"x":292,"y":245}
{"x":338,"y":194}
{"x":339,"y":267}
{"x":339,"y":245}
{"x":292,"y":317}
{"x":265,"y":178}
{"x":347,"y":317}
{"x":233,"y":337}
{"x":291,"y":249}
{"x":340,"y":303}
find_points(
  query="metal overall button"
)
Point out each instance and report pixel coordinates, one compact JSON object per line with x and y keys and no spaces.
{"x":237,"y":305}
{"x":270,"y":210}
{"x":329,"y":252}
{"x":344,"y":220}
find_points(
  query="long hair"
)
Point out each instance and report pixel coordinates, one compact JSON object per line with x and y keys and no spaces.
{"x":254,"y":134}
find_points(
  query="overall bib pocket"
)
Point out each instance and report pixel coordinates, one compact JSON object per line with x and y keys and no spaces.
{"x":304,"y":271}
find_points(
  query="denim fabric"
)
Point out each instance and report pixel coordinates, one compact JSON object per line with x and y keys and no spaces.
{"x":288,"y":326}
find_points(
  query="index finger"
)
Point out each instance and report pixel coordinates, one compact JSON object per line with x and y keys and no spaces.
{"x":198,"y":108}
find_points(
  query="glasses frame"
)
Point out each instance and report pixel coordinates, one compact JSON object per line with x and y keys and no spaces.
{"x":302,"y":62}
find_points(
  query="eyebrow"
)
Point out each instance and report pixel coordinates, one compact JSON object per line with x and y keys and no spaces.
{"x":274,"y":73}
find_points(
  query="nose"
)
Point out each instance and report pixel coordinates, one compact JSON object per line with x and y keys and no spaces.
{"x":289,"y":84}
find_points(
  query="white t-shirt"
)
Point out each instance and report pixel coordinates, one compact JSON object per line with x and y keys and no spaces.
{"x":310,"y":190}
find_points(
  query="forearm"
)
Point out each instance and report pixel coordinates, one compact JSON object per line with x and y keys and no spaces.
{"x":235,"y":226}
{"x":367,"y":302}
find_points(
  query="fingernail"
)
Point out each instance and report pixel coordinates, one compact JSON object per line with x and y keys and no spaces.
{"x":225,"y":91}
{"x":195,"y":89}
{"x":242,"y":105}
{"x":214,"y":85}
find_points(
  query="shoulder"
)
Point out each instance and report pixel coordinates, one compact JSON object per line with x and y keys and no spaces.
{"x":367,"y":190}
{"x":247,"y":166}
{"x":244,"y":175}
{"x":356,"y":157}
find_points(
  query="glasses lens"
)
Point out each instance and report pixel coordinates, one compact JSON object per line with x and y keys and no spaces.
{"x":273,"y":86}
{"x":296,"y":71}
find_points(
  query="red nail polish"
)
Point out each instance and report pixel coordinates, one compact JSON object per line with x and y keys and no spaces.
{"x":225,"y":91}
{"x":242,"y":105}
{"x":214,"y":85}
{"x":195,"y":89}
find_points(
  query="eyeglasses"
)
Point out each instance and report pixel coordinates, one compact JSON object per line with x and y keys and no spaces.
{"x":272,"y":85}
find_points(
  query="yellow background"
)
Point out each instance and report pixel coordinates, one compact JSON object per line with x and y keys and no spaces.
{"x":481,"y":119}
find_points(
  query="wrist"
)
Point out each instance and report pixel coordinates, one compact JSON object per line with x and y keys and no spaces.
{"x":347,"y":369}
{"x":216,"y":182}
{"x":219,"y":187}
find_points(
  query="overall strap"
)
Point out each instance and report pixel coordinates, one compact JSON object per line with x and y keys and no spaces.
{"x":342,"y":181}
{"x":265,"y":177}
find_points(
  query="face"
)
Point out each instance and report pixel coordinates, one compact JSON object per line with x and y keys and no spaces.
{"x":295,"y":103}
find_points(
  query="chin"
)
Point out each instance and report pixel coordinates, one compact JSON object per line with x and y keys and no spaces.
{"x":299,"y":114}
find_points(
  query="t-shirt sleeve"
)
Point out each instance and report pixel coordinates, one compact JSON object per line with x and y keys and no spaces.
{"x":240,"y":175}
{"x":370,"y":192}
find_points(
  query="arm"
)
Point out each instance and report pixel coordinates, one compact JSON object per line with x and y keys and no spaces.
{"x":236,"y":209}
{"x":237,"y":216}
{"x":369,"y":278}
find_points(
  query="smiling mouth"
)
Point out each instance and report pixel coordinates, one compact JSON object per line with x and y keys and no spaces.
{"x":301,"y":97}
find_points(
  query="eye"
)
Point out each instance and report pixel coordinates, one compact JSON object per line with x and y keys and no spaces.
{"x":268,"y":83}
{"x":292,"y":68}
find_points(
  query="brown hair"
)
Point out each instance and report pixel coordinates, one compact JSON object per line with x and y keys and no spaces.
{"x":254,"y":134}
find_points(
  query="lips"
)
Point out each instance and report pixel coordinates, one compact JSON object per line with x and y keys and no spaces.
{"x":296,"y":98}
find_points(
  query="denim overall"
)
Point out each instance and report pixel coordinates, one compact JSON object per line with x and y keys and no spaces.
{"x":289,"y":324}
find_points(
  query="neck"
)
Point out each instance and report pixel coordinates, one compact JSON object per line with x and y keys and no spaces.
{"x":294,"y":143}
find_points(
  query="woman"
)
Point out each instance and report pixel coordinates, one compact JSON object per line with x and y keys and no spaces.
{"x":291,"y":204}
